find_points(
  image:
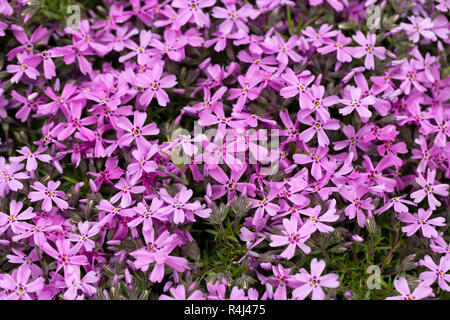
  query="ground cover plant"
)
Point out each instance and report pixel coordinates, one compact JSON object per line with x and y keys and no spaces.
{"x":211,"y":149}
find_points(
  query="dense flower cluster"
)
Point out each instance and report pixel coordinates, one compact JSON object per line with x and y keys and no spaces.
{"x":128,"y":139}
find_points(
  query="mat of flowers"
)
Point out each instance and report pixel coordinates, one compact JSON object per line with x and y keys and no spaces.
{"x":212,"y":150}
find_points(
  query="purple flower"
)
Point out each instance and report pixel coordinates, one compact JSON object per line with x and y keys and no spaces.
{"x":146,"y":214}
{"x":421,"y":221}
{"x":314,"y":281}
{"x":15,"y":219}
{"x":18,"y":287}
{"x":154,"y":85}
{"x":126,"y":186}
{"x":420,"y":292}
{"x":178,"y":204}
{"x":179,"y":293}
{"x":191,"y":10}
{"x":436,"y":272}
{"x":136,"y":131}
{"x":157,"y":251}
{"x":48,"y":194}
{"x":429,"y":189}
{"x":367,"y":49}
{"x":354,"y":101}
{"x":293,"y":236}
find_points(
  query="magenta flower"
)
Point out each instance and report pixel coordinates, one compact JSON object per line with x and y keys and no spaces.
{"x":18,"y":257}
{"x":293,"y":236}
{"x":297,"y":85}
{"x":65,"y":255}
{"x":354,"y":194}
{"x":233,"y":17}
{"x":420,"y":292}
{"x":355,"y":139}
{"x":146,"y":214}
{"x":354,"y":101}
{"x":191,"y":10}
{"x":318,"y":128}
{"x":249,"y":90}
{"x":26,"y":65}
{"x":318,"y":221}
{"x":178,"y":204}
{"x":418,"y":27}
{"x":9,"y":178}
{"x":281,"y":280}
{"x":48,"y":195}
{"x":367,"y":49}
{"x":315,"y":102}
{"x":143,"y":164}
{"x":314,"y":281}
{"x":140,"y":50}
{"x":126,"y":186}
{"x":157,"y":251}
{"x":27,"y":44}
{"x":410,"y":76}
{"x":398,"y":203}
{"x":343,"y":52}
{"x":421,"y":221}
{"x":31,"y":157}
{"x":18,"y":287}
{"x":15,"y":219}
{"x":136,"y":131}
{"x":436,"y":272}
{"x":154,"y":85}
{"x":83,"y":239}
{"x":429,"y":189}
{"x":86,"y":284}
{"x":318,"y":158}
{"x":318,"y":38}
{"x":179,"y":293}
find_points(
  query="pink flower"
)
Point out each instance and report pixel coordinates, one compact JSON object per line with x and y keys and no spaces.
{"x":27,"y":65}
{"x":320,"y":37}
{"x":179,"y":293}
{"x":75,"y":283}
{"x":48,"y":194}
{"x":31,"y":157}
{"x":15,"y":219}
{"x":436,"y":272}
{"x":142,"y":56}
{"x":293,"y":236}
{"x":136,"y":131}
{"x":65,"y":255}
{"x":419,"y":27}
{"x":367,"y":49}
{"x":154,"y":85}
{"x":9,"y":178}
{"x":146,"y":214}
{"x":83,"y":239}
{"x":318,"y":127}
{"x":233,"y":17}
{"x":318,"y":222}
{"x":297,"y":85}
{"x":343,"y":52}
{"x":127,"y":187}
{"x":420,"y":221}
{"x":178,"y":204}
{"x":356,"y":102}
{"x":429,"y":189}
{"x":157,"y":251}
{"x":17,"y":286}
{"x":192,"y":9}
{"x":354,"y":194}
{"x":314,"y":281}
{"x":421,"y":291}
